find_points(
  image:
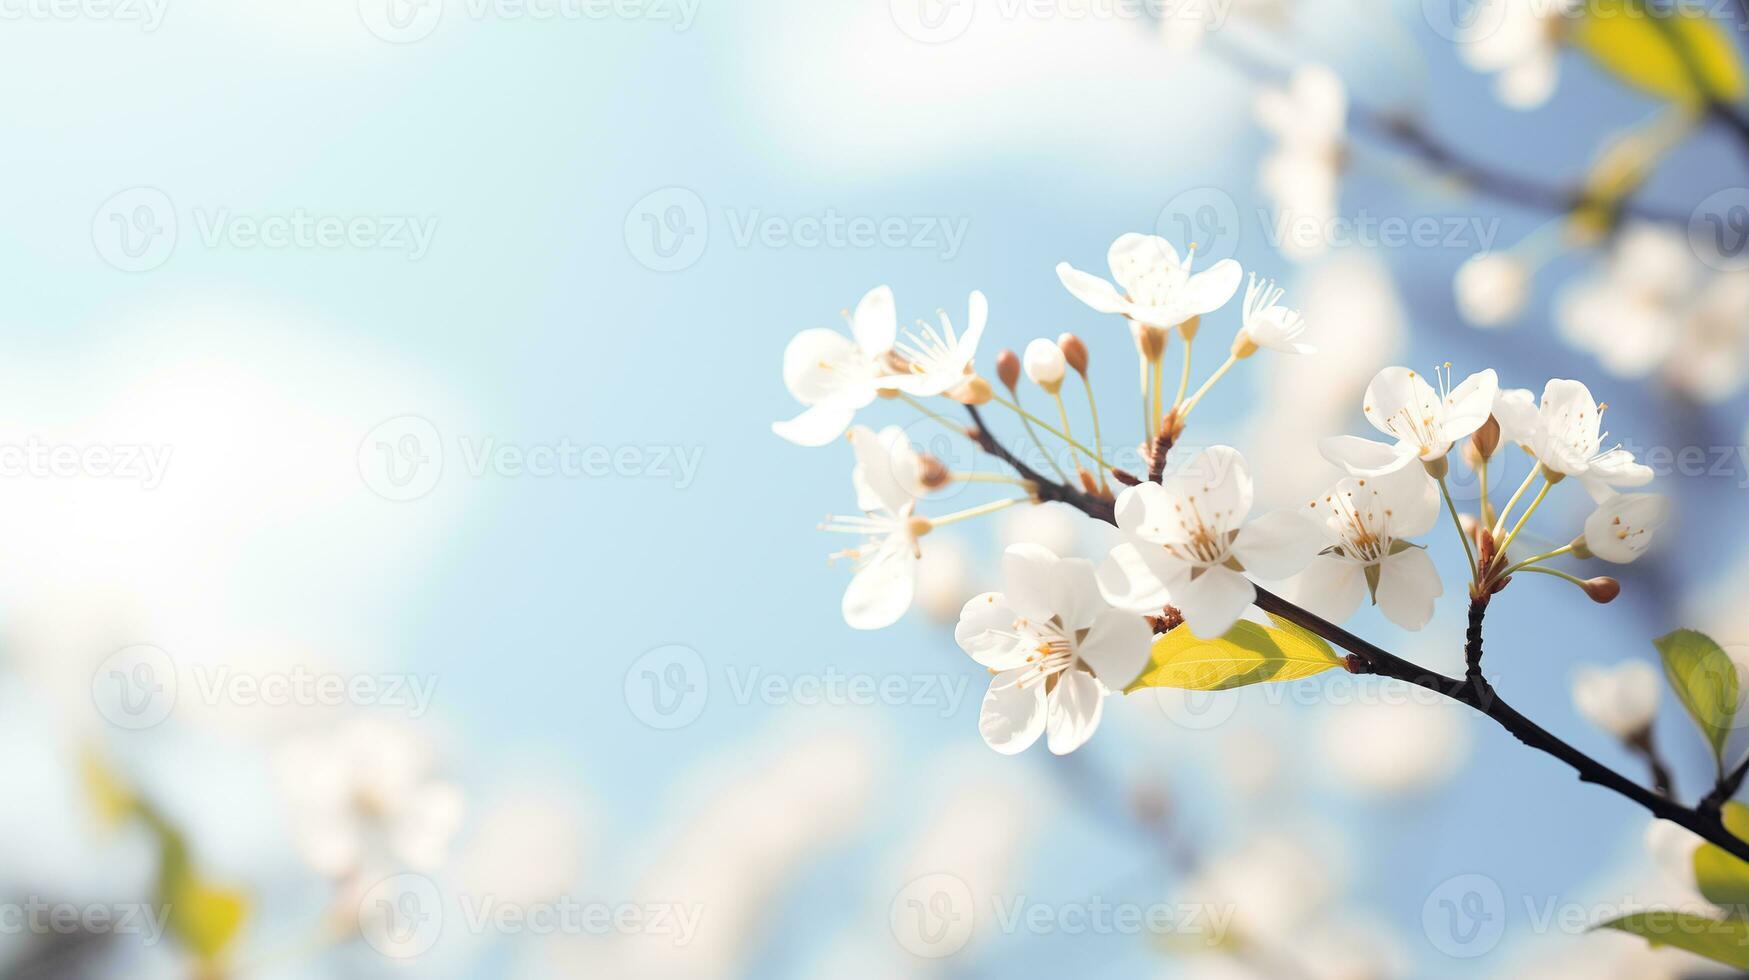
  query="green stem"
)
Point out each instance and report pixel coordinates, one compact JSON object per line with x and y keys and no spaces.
{"x":1220,"y":372}
{"x":1098,"y":443}
{"x":1028,"y":417}
{"x":966,"y":515}
{"x":1525,"y":564}
{"x":1469,"y":548}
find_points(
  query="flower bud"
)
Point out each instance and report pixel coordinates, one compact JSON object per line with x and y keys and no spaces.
{"x":1602,"y":589}
{"x":1486,"y":439}
{"x":1008,"y":369}
{"x":1045,"y":365}
{"x":932,"y":472}
{"x":1074,"y":352}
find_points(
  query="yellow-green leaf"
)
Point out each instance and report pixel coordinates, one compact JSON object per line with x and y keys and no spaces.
{"x":1680,"y":56}
{"x":1720,"y":940}
{"x":205,"y":915}
{"x":1723,"y":879}
{"x":1705,"y":680}
{"x":1247,"y":654}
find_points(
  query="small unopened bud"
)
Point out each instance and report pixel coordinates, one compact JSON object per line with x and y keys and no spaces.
{"x":1437,"y":467}
{"x":1602,"y":589}
{"x":1008,"y":369}
{"x":1075,"y":352}
{"x":1486,"y":439}
{"x":932,"y":472}
{"x":1188,"y":328}
{"x":1045,"y":365}
{"x":972,"y":391}
{"x":1244,"y":346}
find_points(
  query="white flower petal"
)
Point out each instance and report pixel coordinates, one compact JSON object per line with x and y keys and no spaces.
{"x":1012,"y":717}
{"x":1216,"y":486}
{"x":876,"y":475}
{"x":1090,"y":289}
{"x":1469,"y":405}
{"x":1117,"y":647}
{"x":817,"y":426}
{"x":1330,"y":587}
{"x":1568,"y":427}
{"x":1364,"y":457}
{"x":881,"y":590}
{"x":1408,"y":584}
{"x":1210,"y":289}
{"x":1133,"y":577}
{"x":1623,"y":527}
{"x":1278,"y":544}
{"x":876,"y":321}
{"x":985,"y":631}
{"x":1213,"y":600}
{"x":1074,"y":708}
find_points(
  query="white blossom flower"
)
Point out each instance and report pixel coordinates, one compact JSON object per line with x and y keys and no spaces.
{"x":1400,"y":403}
{"x":1188,"y":544}
{"x":1056,"y":648}
{"x":1621,"y":528}
{"x":1300,"y":175}
{"x":1045,"y":364}
{"x":1620,"y":700}
{"x":1268,"y":324}
{"x":1154,"y":287}
{"x":1368,"y":521}
{"x":1631,"y":316}
{"x":1491,"y":288}
{"x":834,"y":375}
{"x":1565,"y":433}
{"x":937,"y":361}
{"x":363,"y":796}
{"x":1518,"y":41}
{"x":885,"y":579}
{"x":1711,"y":358}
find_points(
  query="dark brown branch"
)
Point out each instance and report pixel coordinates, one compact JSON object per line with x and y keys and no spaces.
{"x":1473,"y":640}
{"x":1474,"y":691}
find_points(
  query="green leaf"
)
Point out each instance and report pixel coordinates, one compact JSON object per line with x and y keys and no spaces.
{"x":1723,"y":879}
{"x":1705,"y":680}
{"x":1662,"y":52}
{"x":1720,"y":940}
{"x":1247,"y":654}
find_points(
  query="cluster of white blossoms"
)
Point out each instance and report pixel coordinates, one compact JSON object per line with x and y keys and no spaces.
{"x":1066,"y":632}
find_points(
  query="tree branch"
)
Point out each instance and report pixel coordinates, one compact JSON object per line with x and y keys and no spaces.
{"x":1473,"y":690}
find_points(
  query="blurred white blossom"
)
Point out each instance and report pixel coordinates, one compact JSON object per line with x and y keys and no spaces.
{"x":1620,"y":700}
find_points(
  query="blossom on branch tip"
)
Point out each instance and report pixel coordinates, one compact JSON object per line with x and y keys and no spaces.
{"x":834,"y":375}
{"x":1621,"y":700}
{"x":1519,"y":42}
{"x":1055,"y":647}
{"x":1367,"y":522}
{"x":1565,"y":433}
{"x":1188,"y":544}
{"x":1622,"y":527}
{"x":936,"y":362}
{"x":888,"y":482}
{"x":1154,"y":288}
{"x":1400,"y":403}
{"x":1270,"y":325}
{"x":1045,"y":365}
